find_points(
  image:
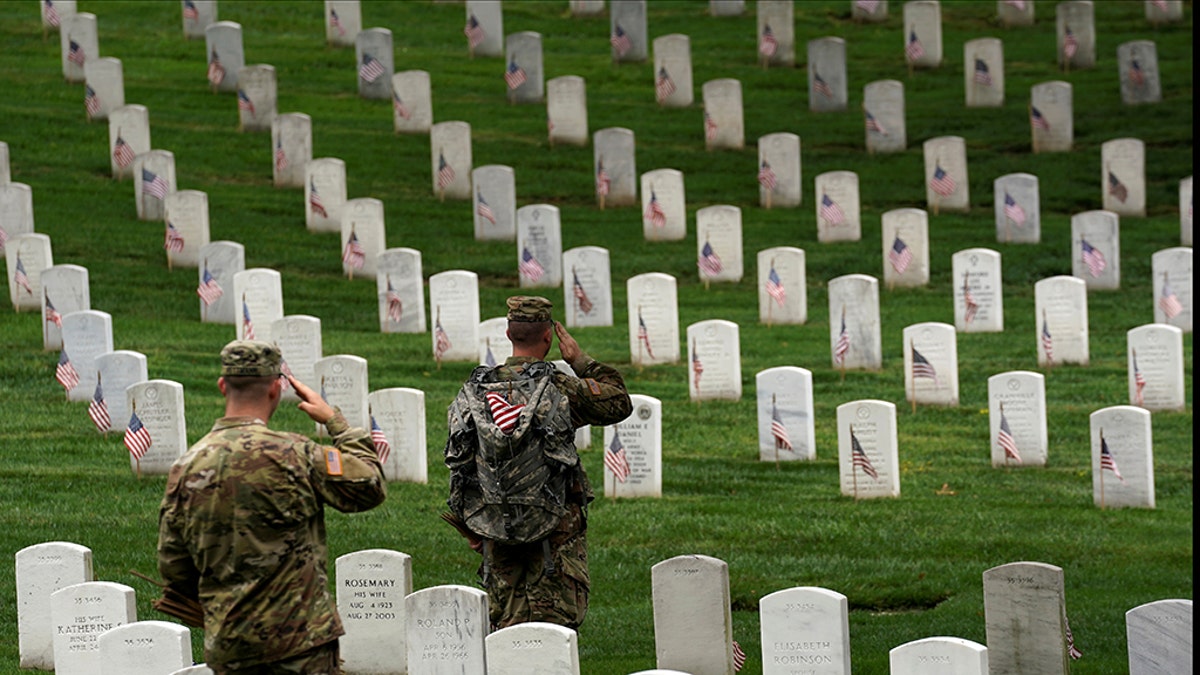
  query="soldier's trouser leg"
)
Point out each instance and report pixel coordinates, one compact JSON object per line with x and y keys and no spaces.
{"x":523,"y":588}
{"x":323,"y":660}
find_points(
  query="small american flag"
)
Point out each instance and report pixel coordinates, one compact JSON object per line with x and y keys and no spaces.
{"x":644,"y":334}
{"x":281,"y":160}
{"x":1071,"y":650}
{"x":247,"y":324}
{"x":244,"y":102}
{"x":766,"y":176}
{"x":91,"y":101}
{"x":615,"y":459}
{"x":603,"y":182}
{"x":767,"y":44}
{"x":830,"y":212}
{"x":1018,"y":4}
{"x":65,"y":372}
{"x":983,"y":75}
{"x":474,"y":32}
{"x":970,"y":306}
{"x":52,"y":314}
{"x":1160,"y":5}
{"x":1013,"y":210}
{"x":314,"y":200}
{"x":382,"y":447}
{"x":137,"y":437}
{"x":1037,"y":120}
{"x":697,"y":368}
{"x":1116,"y":188}
{"x":98,"y":410}
{"x":1107,"y":461}
{"x":353,"y":253}
{"x":504,"y":414}
{"x":209,"y":290}
{"x":775,"y":287}
{"x":50,"y":14}
{"x":581,"y":297}
{"x":1070,"y":44}
{"x":441,"y":341}
{"x":489,"y":359}
{"x":445,"y":173}
{"x":3,"y":238}
{"x":867,"y":6}
{"x":122,"y":153}
{"x":395,"y":306}
{"x":873,"y":124}
{"x":664,"y":86}
{"x":654,"y":212}
{"x":821,"y":86}
{"x":1136,"y":77}
{"x":529,"y":266}
{"x":941,"y":182}
{"x":842,"y":346}
{"x":371,"y":69}
{"x":173,"y":240}
{"x":1168,"y":302}
{"x":1047,"y":341}
{"x":710,"y":128}
{"x":900,"y":255}
{"x":739,"y":657}
{"x":483,"y":209}
{"x":216,"y":72}
{"x":514,"y":76}
{"x":709,"y":262}
{"x":779,"y":431}
{"x":921,"y":367}
{"x":858,"y":457}
{"x":1093,"y":258}
{"x":153,"y":184}
{"x":620,"y":41}
{"x":401,"y":109}
{"x":336,"y":22}
{"x":190,"y":13}
{"x":286,"y":371}
{"x":1139,"y":383}
{"x":1005,"y":440}
{"x":75,"y":53}
{"x":20,"y":278}
{"x":913,"y":50}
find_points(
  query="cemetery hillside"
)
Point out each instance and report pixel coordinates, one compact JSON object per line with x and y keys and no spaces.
{"x":902,"y":294}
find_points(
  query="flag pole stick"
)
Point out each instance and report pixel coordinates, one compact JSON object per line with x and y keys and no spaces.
{"x":853,"y":469}
{"x":912,"y":381}
{"x":1102,"y":506}
{"x":773,"y":411}
{"x":203,"y":304}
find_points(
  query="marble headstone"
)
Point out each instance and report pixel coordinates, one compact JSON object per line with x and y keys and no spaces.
{"x":1159,"y":635}
{"x":627,"y":30}
{"x":54,"y":14}
{"x":362,"y":222}
{"x":256,"y":97}
{"x":117,"y":371}
{"x":1024,"y":606}
{"x":946,"y":184}
{"x":868,"y":458}
{"x":153,"y":180}
{"x":1052,"y":117}
{"x":5,"y":170}
{"x":80,"y":613}
{"x":779,"y":170}
{"x":524,"y":75}
{"x":587,"y":287}
{"x":724,"y":127}
{"x":1061,"y":316}
{"x":1172,"y":272}
{"x":342,"y":381}
{"x":635,"y":445}
{"x":445,"y":630}
{"x":42,"y":569}
{"x":586,"y":7}
{"x":128,"y":137}
{"x":939,"y":656}
{"x":16,"y":210}
{"x":450,"y":145}
{"x":186,"y":211}
{"x":343,"y":21}
{"x":145,"y":647}
{"x":401,"y":289}
{"x":484,"y":28}
{"x":412,"y":102}
{"x":220,"y":260}
{"x":454,"y":308}
{"x":79,"y":44}
{"x":931,"y":364}
{"x":776,"y":32}
{"x":664,"y":208}
{"x":837,"y":207}
{"x":159,"y":406}
{"x":533,"y":647}
{"x":1185,"y":211}
{"x":673,"y":71}
{"x":374,"y":61}
{"x":1015,"y":13}
{"x":539,"y":246}
{"x":693,"y":626}
{"x":854,"y":328}
{"x":1018,"y":209}
{"x":298,"y":337}
{"x":566,"y":110}
{"x":400,"y":414}
{"x":726,"y":7}
{"x":197,"y":16}
{"x":1017,"y":419}
{"x":1156,"y":367}
{"x":827,"y":81}
{"x":1076,"y":30}
{"x":786,"y":431}
{"x":86,"y":334}
{"x":1163,"y":11}
{"x":715,"y":362}
{"x":978,"y":291}
{"x":372,"y":585}
{"x":1137,"y":68}
{"x":105,"y":87}
{"x":719,"y":243}
{"x":494,"y":345}
{"x":258,"y":298}
{"x":615,"y":167}
{"x":1124,"y":176}
{"x":27,"y":256}
{"x":805,"y":629}
{"x":983,"y":72}
{"x":1122,"y":457}
{"x":65,"y":289}
{"x":782,"y":286}
{"x":905,"y":244}
{"x":653,"y":312}
{"x":923,"y":33}
{"x":325,"y":194}
{"x":225,"y":55}
{"x":884,"y":116}
{"x":291,"y":145}
{"x":1096,"y":249}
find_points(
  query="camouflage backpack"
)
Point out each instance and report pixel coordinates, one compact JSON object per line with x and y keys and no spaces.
{"x":510,"y":453}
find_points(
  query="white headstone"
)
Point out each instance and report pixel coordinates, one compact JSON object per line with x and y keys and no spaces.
{"x":805,"y":629}
{"x":300,"y":345}
{"x":291,"y":145}
{"x":627,"y":30}
{"x":42,"y":569}
{"x":779,"y":173}
{"x":1185,"y":211}
{"x":450,"y":144}
{"x":374,"y":62}
{"x":978,"y":291}
{"x":342,"y":381}
{"x":868,"y":458}
{"x":1172,"y":270}
{"x":145,"y":647}
{"x":197,"y":16}
{"x":343,"y":21}
{"x":905,"y":243}
{"x":653,"y":312}
{"x":884,"y":116}
{"x":615,"y":167}
{"x":54,"y":14}
{"x":854,"y":335}
{"x":454,"y":308}
{"x":186,"y":216}
{"x":5,"y":170}
{"x":363,"y":237}
{"x":782,"y":286}
{"x":1018,"y":209}
{"x":128,"y":137}
{"x":445,"y":630}
{"x":153,"y":180}
{"x":715,"y":370}
{"x":723,"y":120}
{"x":726,"y":7}
{"x":586,"y":7}
{"x":484,"y":28}
{"x":539,"y":246}
{"x":983,"y":70}
{"x":1124,"y":176}
{"x":117,"y":371}
{"x":412,"y":102}
{"x":220,"y":260}
{"x":79,"y":44}
{"x":1163,"y":11}
{"x":158,"y":404}
{"x":524,"y":76}
{"x":939,"y":656}
{"x":931,"y":364}
{"x":923,"y":33}
{"x":1137,"y":68}
{"x":1096,"y":249}
{"x":837,"y":205}
{"x":1061,"y":318}
{"x":256,"y":97}
{"x":105,"y":88}
{"x":1017,"y":418}
{"x":494,"y":345}
{"x":258,"y":298}
{"x":786,"y":431}
{"x":225,"y":55}
{"x":664,"y":208}
{"x":566,"y":110}
{"x":371,"y":587}
{"x":827,"y":81}
{"x":946,"y":184}
{"x":401,"y":289}
{"x":79,"y":614}
{"x":86,"y":334}
{"x":325,"y":194}
{"x":1018,"y":13}
{"x":1122,"y":457}
{"x":1156,"y":367}
{"x":776,"y":34}
{"x":693,"y":628}
{"x":633,"y":451}
{"x":587,"y":287}
{"x":719,"y":243}
{"x":1052,"y":116}
{"x":673,"y":71}
{"x":1076,"y":30}
{"x":27,"y":256}
{"x":1159,"y":636}
{"x":16,"y":212}
{"x":400,"y":414}
{"x":534,"y":647}
{"x":65,"y":289}
{"x":1024,"y":607}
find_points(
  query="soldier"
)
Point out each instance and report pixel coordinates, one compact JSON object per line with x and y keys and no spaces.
{"x":242,"y":526}
{"x":547,"y":580}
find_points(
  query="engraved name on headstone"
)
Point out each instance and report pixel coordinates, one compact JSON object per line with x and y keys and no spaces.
{"x":80,"y":613}
{"x":145,"y":647}
{"x":533,"y":647}
{"x":371,"y":587}
{"x":342,"y":381}
{"x":805,"y":628}
{"x":445,"y":630}
{"x":158,"y":405}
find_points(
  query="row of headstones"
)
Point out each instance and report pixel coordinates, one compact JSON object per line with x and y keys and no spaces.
{"x":71,"y":624}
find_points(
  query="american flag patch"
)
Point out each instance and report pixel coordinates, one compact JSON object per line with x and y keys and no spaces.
{"x":333,"y":462}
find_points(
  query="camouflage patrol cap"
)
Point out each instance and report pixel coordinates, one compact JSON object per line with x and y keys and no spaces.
{"x":251,"y":358}
{"x":529,"y":308}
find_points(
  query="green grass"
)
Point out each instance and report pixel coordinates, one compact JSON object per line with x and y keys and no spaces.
{"x":911,"y":567}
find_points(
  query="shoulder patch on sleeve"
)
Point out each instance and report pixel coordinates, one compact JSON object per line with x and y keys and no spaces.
{"x":333,"y":461}
{"x":592,"y":385}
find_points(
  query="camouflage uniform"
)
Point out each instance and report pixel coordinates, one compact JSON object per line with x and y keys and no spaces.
{"x":519,"y":587}
{"x":242,"y":528}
